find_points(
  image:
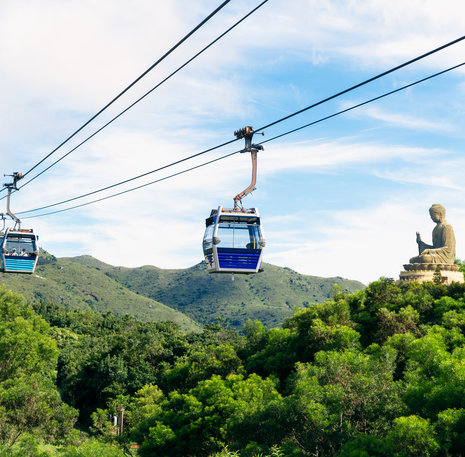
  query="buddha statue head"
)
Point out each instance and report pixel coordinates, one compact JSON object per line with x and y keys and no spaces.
{"x":437,"y":212}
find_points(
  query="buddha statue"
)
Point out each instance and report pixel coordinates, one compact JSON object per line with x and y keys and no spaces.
{"x":443,"y":249}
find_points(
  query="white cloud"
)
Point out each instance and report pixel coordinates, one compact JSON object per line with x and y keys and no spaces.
{"x":365,"y":243}
{"x":79,"y":50}
{"x":331,"y":155}
{"x":402,"y":120}
{"x":431,"y":177}
{"x":62,"y":61}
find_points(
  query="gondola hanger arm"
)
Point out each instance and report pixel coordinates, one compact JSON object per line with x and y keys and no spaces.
{"x":10,"y":186}
{"x":247,"y":134}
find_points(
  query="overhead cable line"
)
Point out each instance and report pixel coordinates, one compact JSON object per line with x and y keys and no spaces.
{"x":257,"y":130}
{"x":261,"y":128}
{"x":130,"y":179}
{"x":363,"y":103}
{"x":374,"y":78}
{"x":133,"y":188}
{"x":146,"y":94}
{"x":236,"y":152}
{"x":266,"y":126}
{"x":133,"y":83}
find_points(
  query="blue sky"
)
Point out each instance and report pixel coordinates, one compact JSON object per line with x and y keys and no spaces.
{"x":341,"y":198}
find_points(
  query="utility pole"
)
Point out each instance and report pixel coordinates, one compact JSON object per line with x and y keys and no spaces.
{"x":120,"y":420}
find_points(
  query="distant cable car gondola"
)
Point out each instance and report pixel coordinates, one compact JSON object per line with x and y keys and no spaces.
{"x":19,"y":250}
{"x":233,"y":240}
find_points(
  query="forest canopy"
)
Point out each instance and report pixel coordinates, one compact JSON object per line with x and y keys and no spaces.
{"x":376,"y":373}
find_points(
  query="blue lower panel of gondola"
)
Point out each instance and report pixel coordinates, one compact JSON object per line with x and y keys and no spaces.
{"x":238,"y":259}
{"x":19,"y":264}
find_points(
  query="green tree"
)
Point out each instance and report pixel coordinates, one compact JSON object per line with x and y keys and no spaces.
{"x":434,"y":374}
{"x":33,"y":405}
{"x":115,"y":357}
{"x":29,"y":400}
{"x":414,"y":437}
{"x":325,"y":326}
{"x":92,"y":448}
{"x":202,"y":362}
{"x":25,"y":345}
{"x":383,"y":301}
{"x":206,"y":418}
{"x":368,"y":446}
{"x":450,"y":428}
{"x":393,"y":323}
{"x":342,"y":395}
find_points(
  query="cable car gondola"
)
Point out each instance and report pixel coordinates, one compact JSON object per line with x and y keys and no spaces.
{"x":233,"y":241}
{"x":19,"y":250}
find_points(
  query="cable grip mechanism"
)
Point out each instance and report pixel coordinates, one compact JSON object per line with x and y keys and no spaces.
{"x":247,"y":133}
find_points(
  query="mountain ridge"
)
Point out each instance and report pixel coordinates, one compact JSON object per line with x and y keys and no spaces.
{"x":190,"y":297}
{"x":269,"y":296}
{"x":70,"y":284}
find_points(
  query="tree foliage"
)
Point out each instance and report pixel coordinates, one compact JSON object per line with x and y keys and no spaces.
{"x":373,"y":374}
{"x":29,"y":400}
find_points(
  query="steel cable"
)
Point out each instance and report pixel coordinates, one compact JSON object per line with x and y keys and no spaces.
{"x":233,"y":153}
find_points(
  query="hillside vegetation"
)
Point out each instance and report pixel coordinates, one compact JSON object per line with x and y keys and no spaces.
{"x":270,"y":296}
{"x":376,"y":373}
{"x":74,"y":285}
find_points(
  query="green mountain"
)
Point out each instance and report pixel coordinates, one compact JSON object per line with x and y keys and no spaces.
{"x":270,"y":296}
{"x":187,"y":296}
{"x":76,"y":285}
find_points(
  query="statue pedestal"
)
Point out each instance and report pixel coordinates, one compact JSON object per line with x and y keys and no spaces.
{"x":422,"y":272}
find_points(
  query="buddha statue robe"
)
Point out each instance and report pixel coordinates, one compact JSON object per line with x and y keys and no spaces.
{"x":443,"y":248}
